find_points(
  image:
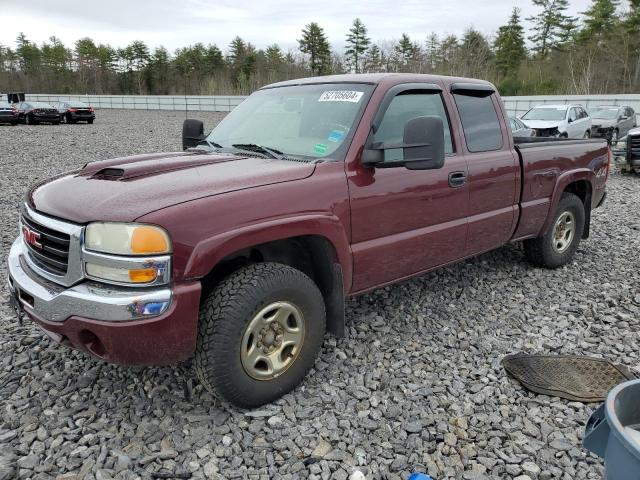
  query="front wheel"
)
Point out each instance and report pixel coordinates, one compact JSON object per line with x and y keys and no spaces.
{"x":559,"y":243}
{"x":587,"y":134}
{"x":259,"y":333}
{"x":614,"y":136}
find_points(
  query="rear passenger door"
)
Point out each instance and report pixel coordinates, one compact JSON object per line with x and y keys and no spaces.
{"x":492,"y":165}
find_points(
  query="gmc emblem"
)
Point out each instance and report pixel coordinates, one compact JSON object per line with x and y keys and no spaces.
{"x":31,"y":237}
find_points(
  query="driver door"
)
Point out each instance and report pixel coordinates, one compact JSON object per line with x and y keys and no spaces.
{"x":572,"y":123}
{"x":407,"y":221}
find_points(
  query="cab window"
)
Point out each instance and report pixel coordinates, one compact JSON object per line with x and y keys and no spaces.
{"x":480,"y":122}
{"x":404,"y":107}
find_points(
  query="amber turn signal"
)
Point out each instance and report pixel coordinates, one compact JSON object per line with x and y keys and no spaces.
{"x":148,"y":240}
{"x":144,"y":275}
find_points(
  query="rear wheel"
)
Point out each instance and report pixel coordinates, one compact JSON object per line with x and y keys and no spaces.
{"x":90,"y":121}
{"x":28,"y":120}
{"x":259,"y":333}
{"x":559,"y":243}
{"x":587,"y":134}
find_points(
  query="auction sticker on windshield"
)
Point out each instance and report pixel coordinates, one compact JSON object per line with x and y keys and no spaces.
{"x":341,"y":96}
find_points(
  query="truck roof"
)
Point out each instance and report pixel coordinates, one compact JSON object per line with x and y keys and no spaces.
{"x":377,"y":78}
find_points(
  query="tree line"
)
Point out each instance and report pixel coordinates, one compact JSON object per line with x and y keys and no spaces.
{"x":596,"y":53}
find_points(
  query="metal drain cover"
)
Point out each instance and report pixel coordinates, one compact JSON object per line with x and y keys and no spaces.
{"x":580,"y":379}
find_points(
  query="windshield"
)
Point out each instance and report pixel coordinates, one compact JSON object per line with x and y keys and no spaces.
{"x":308,"y":121}
{"x":546,"y":113}
{"x":604,"y":113}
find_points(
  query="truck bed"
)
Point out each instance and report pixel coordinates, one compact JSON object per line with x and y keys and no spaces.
{"x":547,"y":166}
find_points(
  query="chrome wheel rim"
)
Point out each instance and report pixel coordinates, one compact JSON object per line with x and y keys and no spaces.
{"x":614,"y":136}
{"x":272,"y":340}
{"x":563,"y":232}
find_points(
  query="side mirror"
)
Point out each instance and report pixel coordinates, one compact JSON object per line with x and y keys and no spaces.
{"x":422,"y":145}
{"x":570,"y":120}
{"x":192,"y":133}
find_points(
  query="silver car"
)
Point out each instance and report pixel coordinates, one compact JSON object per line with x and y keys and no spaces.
{"x":519,"y":129}
{"x":612,"y":121}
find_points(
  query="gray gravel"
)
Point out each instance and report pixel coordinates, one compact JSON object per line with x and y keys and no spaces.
{"x":417,"y":385}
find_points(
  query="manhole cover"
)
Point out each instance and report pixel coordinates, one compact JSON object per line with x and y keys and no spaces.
{"x":581,"y":379}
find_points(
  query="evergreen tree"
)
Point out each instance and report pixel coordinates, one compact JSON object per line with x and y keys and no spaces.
{"x":372,"y":60}
{"x":551,"y":26}
{"x":405,"y":51}
{"x":28,"y":54}
{"x":314,"y":43}
{"x":509,"y":45}
{"x":431,"y":50}
{"x":357,"y":43}
{"x":600,"y":19}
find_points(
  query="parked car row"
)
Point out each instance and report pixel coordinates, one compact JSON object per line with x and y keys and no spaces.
{"x":32,"y":113}
{"x":574,"y":121}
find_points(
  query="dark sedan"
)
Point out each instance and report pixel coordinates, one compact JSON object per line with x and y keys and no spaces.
{"x":8,"y":113}
{"x":33,"y":113}
{"x":73,"y":112}
{"x":612,"y":121}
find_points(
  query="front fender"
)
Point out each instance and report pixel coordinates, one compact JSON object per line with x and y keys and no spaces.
{"x":209,"y":252}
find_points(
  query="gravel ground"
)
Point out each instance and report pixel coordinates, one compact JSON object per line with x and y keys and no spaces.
{"x":416,"y":385}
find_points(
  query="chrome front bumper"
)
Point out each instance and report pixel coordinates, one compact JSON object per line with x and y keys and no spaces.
{"x":92,"y":300}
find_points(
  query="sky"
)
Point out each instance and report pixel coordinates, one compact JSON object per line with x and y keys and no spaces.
{"x":177,"y":23}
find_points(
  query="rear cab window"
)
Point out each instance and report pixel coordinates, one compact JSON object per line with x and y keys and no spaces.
{"x":480,"y":122}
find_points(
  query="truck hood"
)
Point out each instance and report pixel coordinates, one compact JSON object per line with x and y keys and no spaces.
{"x":542,"y":123}
{"x":124,"y":189}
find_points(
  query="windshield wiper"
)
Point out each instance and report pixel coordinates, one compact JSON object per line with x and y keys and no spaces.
{"x":252,"y":147}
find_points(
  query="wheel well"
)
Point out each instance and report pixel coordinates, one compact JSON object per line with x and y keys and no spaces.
{"x":582,"y":188}
{"x":313,"y":255}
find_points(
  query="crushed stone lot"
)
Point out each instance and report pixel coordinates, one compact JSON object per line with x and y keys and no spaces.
{"x":416,"y":385}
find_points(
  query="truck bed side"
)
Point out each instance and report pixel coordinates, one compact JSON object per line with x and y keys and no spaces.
{"x":553,"y":167}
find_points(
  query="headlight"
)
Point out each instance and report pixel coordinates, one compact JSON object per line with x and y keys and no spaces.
{"x":126,"y":239}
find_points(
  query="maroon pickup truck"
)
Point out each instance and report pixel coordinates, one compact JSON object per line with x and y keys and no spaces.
{"x":241,"y":250}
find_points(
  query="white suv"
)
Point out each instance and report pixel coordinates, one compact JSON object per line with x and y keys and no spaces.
{"x":566,"y":121}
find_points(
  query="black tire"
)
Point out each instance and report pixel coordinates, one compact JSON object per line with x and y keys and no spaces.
{"x":227,"y":311}
{"x":564,"y":135}
{"x":541,"y":251}
{"x":587,"y":134}
{"x":28,"y":120}
{"x":90,"y":122}
{"x":13,"y":124}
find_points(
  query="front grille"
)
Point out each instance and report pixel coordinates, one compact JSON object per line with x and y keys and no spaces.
{"x":53,"y":255}
{"x":634,"y":146}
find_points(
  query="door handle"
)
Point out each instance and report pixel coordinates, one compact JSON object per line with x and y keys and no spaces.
{"x":457,"y":179}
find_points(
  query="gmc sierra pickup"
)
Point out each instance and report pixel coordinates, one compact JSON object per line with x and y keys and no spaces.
{"x":240,"y":250}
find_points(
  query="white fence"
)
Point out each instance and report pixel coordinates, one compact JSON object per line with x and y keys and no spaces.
{"x":515,"y":105}
{"x":201,"y":103}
